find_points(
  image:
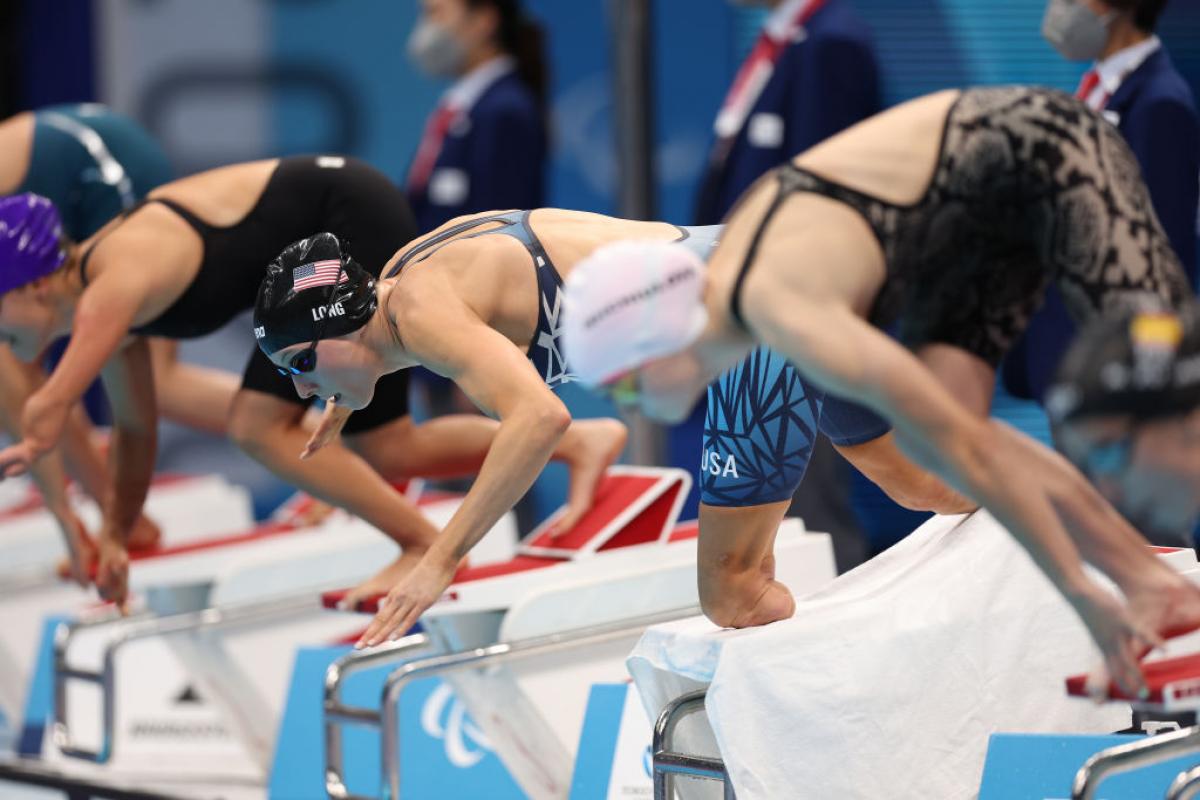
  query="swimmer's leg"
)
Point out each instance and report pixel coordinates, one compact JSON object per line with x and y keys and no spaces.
{"x":456,"y":445}
{"x":271,"y":431}
{"x":191,"y":395}
{"x":736,"y":564}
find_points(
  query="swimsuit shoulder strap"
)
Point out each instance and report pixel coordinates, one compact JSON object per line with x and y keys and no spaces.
{"x":201,"y":227}
{"x":782,"y":191}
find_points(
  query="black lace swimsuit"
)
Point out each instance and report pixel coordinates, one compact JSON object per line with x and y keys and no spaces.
{"x":1030,"y":186}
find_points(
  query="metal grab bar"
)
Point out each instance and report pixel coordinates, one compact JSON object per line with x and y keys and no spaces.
{"x":492,"y":654}
{"x":1185,"y":786}
{"x":131,"y":629}
{"x":668,"y":763}
{"x":1124,"y":757}
{"x":336,"y":714}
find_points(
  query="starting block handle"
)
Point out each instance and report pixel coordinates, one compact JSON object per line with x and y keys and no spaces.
{"x":1185,"y":786}
{"x":1122,"y":758}
{"x":335,"y":714}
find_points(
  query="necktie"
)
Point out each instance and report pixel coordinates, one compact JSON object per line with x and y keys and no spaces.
{"x":1087,"y":85}
{"x":430,"y":147}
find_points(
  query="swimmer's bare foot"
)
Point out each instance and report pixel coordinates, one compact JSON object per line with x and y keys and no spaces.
{"x":81,"y":560}
{"x":145,"y":535}
{"x":382,"y":582}
{"x":589,"y":447}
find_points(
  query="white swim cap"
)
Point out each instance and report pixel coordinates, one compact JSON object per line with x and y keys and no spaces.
{"x":630,"y":302}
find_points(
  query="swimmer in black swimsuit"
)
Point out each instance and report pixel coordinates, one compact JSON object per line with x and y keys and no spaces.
{"x":184,"y":263}
{"x":477,"y":301}
{"x":948,"y":215}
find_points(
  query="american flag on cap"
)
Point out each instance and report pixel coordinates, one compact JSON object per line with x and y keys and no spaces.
{"x":318,"y":273}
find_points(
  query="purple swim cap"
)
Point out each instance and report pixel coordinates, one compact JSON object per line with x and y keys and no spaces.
{"x":30,"y":240}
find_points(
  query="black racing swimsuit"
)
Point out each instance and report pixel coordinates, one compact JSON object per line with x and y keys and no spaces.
{"x":544,"y":349}
{"x":304,"y":195}
{"x":1030,"y":186}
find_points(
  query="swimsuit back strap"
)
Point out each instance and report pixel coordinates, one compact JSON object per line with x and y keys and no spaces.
{"x":429,"y":246}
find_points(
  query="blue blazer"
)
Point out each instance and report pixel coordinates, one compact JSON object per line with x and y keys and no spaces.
{"x":493,"y":157}
{"x":822,"y":84}
{"x":1156,"y":113}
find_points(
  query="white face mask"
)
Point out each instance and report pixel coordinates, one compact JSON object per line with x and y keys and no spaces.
{"x":1077,"y":32}
{"x":435,"y":50}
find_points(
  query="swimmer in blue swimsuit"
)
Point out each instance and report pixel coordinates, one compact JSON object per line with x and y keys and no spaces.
{"x":478,"y":301}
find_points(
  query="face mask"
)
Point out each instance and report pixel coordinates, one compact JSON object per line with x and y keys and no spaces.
{"x":435,"y":51}
{"x":1077,"y":32}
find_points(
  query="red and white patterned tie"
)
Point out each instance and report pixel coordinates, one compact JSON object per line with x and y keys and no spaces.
{"x":430,"y":147}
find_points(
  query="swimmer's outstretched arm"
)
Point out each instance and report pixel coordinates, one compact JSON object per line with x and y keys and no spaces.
{"x":16,"y":385}
{"x":130,"y":387}
{"x":449,"y":338}
{"x":839,"y":350}
{"x":881,"y":460}
{"x":103,"y":317}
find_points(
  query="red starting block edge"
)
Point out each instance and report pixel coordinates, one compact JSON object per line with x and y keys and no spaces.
{"x":634,"y":505}
{"x":1174,"y":685}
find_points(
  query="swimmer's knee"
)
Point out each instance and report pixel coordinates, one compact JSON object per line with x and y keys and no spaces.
{"x":385,"y":447}
{"x":256,"y":419}
{"x":741,"y":599}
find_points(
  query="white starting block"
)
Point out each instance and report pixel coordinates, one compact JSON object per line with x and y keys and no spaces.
{"x":187,"y":509}
{"x":236,"y":615}
{"x":893,"y":676}
{"x":522,"y":643}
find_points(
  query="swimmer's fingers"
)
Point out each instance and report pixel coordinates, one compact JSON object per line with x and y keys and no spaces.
{"x":112,"y":574}
{"x":16,"y":459}
{"x":331,"y":424}
{"x":398,"y":615}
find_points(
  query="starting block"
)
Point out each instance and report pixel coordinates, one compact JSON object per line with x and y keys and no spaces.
{"x":957,"y":604}
{"x":228,"y":617}
{"x":1174,"y":685}
{"x":188,"y":509}
{"x":526,"y":639}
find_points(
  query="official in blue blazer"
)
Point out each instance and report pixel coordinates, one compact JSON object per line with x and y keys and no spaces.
{"x":485,"y":145}
{"x":1133,"y":82}
{"x":812,"y":73}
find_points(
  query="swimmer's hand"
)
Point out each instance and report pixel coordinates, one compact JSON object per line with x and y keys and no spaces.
{"x":17,"y":459}
{"x":42,"y":423}
{"x":112,"y":572}
{"x":1122,"y":640}
{"x":408,"y":600}
{"x":381,"y":582}
{"x":331,"y":424}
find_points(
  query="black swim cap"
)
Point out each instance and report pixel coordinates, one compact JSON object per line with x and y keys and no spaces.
{"x":313,"y":279}
{"x":1144,"y":365}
